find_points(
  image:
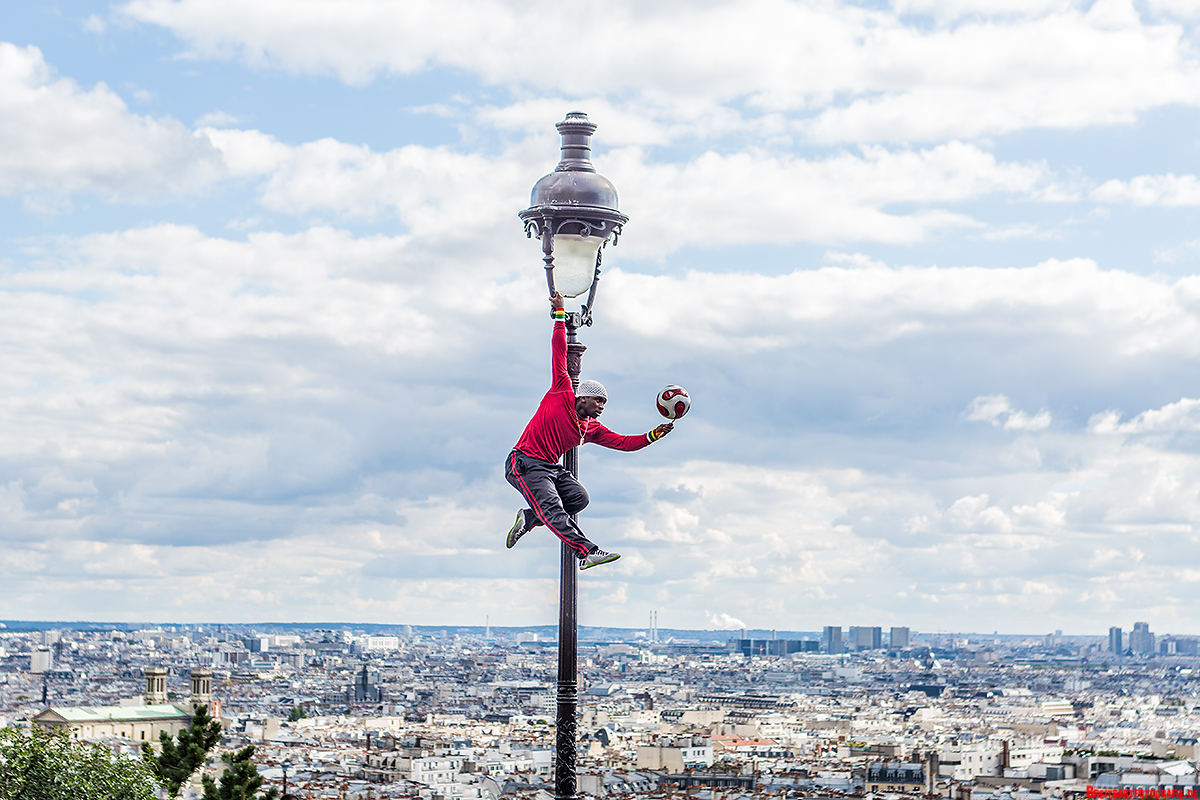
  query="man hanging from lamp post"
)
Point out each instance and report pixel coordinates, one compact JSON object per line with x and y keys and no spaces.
{"x":565,"y":418}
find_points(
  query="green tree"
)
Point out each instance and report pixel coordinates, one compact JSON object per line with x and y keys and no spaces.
{"x":180,"y":759}
{"x":239,"y":781}
{"x":297,"y":714}
{"x":49,"y":765}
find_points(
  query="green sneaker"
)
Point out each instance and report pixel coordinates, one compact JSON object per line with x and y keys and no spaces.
{"x":597,"y":558}
{"x":519,"y":529}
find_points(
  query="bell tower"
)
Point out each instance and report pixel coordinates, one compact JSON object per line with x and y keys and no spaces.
{"x":202,"y":688}
{"x":156,"y":686}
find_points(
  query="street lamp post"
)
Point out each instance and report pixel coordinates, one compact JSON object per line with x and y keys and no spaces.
{"x":573,"y":211}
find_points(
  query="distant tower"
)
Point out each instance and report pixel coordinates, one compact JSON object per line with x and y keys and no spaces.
{"x":1116,"y":641}
{"x":201,"y":688}
{"x":41,"y":660}
{"x":156,"y":686}
{"x":487,"y":632}
{"x":866,"y":638}
{"x":1141,"y":639}
{"x":899,"y":639}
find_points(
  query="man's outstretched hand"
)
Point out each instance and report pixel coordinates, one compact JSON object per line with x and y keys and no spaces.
{"x":662,"y":430}
{"x":557,"y":302}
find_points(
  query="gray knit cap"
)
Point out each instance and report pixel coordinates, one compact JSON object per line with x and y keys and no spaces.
{"x":591,"y":389}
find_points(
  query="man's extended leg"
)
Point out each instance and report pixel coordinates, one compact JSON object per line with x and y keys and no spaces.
{"x":537,"y":481}
{"x":575,"y":499}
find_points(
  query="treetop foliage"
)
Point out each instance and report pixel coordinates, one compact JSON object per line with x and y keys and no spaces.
{"x":50,"y":765}
{"x":180,"y":759}
{"x":240,"y":781}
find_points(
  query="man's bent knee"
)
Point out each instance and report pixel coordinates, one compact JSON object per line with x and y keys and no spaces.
{"x":576,"y":500}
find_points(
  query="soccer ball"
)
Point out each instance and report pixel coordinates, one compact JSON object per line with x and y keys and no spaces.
{"x":673,"y":401}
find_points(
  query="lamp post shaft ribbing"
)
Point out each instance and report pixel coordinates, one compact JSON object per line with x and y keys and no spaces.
{"x":568,"y":645}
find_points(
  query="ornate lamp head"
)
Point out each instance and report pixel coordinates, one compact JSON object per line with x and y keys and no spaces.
{"x":573,"y":210}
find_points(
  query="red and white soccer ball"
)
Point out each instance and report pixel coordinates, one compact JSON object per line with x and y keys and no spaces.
{"x":673,"y":401}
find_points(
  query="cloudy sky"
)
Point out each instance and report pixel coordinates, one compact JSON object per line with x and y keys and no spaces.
{"x":930,"y":270}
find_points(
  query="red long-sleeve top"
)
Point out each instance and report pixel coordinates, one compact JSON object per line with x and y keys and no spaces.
{"x":555,"y":427}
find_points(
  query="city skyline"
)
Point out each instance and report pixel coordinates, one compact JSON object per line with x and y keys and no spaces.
{"x":389,"y":715}
{"x":910,"y":638}
{"x":928,"y":270}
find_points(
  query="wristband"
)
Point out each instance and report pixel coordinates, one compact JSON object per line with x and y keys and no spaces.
{"x":652,"y":436}
{"x":559,"y":314}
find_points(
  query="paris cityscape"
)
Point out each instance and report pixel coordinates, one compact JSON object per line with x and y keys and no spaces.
{"x":376,"y":373}
{"x":441,"y":713}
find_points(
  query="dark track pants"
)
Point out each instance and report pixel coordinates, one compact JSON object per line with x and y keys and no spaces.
{"x":553,"y":493}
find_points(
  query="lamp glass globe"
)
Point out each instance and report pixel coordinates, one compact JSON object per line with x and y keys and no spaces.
{"x":575,"y":263}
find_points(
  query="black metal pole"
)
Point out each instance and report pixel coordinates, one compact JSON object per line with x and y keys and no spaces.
{"x":568,"y":645}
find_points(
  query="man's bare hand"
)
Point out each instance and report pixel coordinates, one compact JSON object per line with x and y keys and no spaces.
{"x":557,"y":301}
{"x":663,"y":430}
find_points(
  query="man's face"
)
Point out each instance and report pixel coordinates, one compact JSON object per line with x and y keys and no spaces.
{"x":589,"y":407}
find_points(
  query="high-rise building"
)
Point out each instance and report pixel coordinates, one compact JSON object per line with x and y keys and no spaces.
{"x":831,"y":639}
{"x":41,"y":660}
{"x":899,"y":639}
{"x":1116,"y":641}
{"x":772,"y":647}
{"x":866,"y":638}
{"x":1141,"y":639}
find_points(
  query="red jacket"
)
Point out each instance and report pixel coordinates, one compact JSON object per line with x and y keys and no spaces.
{"x":556,"y":428}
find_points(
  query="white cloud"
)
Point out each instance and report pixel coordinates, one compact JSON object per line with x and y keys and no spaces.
{"x":972,"y":513}
{"x":724,"y":622}
{"x":957,"y":9}
{"x":996,"y":410}
{"x":1185,"y":251}
{"x":1183,"y":415}
{"x":323,"y":413}
{"x":88,"y":141}
{"x":338,"y":407}
{"x":217,"y":119}
{"x":1066,"y":70}
{"x":1063,"y":301}
{"x":1185,"y":9}
{"x":434,"y":190}
{"x":248,"y":152}
{"x":58,"y":138}
{"x":762,"y":197}
{"x":713,"y":199}
{"x":1151,"y":190}
{"x":1049,"y":65}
